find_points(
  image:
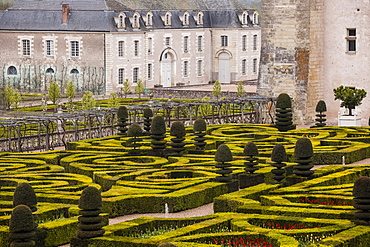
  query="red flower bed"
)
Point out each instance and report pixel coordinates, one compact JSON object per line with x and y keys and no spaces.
{"x":330,"y":203}
{"x":288,"y":226}
{"x":242,"y":242}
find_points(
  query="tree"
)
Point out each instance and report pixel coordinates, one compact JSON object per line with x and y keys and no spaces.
{"x":12,"y":97}
{"x":350,"y":97}
{"x":54,"y":92}
{"x":113,"y":100}
{"x":284,"y":113}
{"x":88,"y":102}
{"x":223,"y":156}
{"x":320,"y":108}
{"x":126,"y":87}
{"x":217,"y":89}
{"x":70,"y":94}
{"x":139,"y":88}
{"x":303,"y":152}
{"x":240,"y":89}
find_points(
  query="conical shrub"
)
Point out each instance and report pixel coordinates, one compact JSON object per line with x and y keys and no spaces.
{"x":199,"y":128}
{"x":284,"y":114}
{"x":178,"y":131}
{"x":303,"y":151}
{"x":135,"y":132}
{"x":361,"y":194}
{"x":278,"y":157}
{"x":90,"y":222}
{"x":320,"y":108}
{"x":25,"y":195}
{"x":122,"y":116}
{"x":148,"y":114}
{"x":251,"y":150}
{"x":223,"y":156}
{"x":158,"y":133}
{"x":22,"y":227}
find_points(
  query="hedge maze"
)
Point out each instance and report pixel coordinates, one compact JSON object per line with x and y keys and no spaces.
{"x":297,"y":211}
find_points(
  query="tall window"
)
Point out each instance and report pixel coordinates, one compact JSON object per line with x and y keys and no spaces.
{"x":135,"y":74}
{"x":186,"y":69}
{"x":244,"y":42}
{"x":255,"y":65}
{"x":26,"y":47}
{"x":75,"y":49}
{"x":150,"y":69}
{"x":200,"y":41}
{"x":224,"y":40}
{"x":186,"y":19}
{"x":351,"y":40}
{"x":121,"y":48}
{"x":149,"y":19}
{"x":186,"y":38}
{"x":49,"y":47}
{"x":121,"y":21}
{"x":136,"y":48}
{"x":254,"y":42}
{"x":150,"y":45}
{"x":168,"y":41}
{"x":167,"y":19}
{"x":199,"y":67}
{"x":244,"y":19}
{"x":121,"y":74}
{"x":244,"y":66}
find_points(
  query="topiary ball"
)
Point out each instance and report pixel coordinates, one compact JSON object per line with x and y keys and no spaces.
{"x":278,"y":154}
{"x":158,"y":126}
{"x":199,"y":125}
{"x":24,"y":194}
{"x":134,"y":130}
{"x":283,"y":101}
{"x":90,"y":199}
{"x":122,"y":112}
{"x":166,"y":245}
{"x":148,"y":113}
{"x":321,"y":106}
{"x":223,"y":154}
{"x":250,"y":149}
{"x":303,"y":148}
{"x":178,"y":129}
{"x":361,"y":188}
{"x":21,"y":219}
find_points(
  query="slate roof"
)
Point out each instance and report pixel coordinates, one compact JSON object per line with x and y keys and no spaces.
{"x":97,"y":15}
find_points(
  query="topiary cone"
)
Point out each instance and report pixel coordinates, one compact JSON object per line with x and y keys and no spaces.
{"x":361,"y":194}
{"x":24,"y":194}
{"x":278,"y":156}
{"x":22,"y":227}
{"x":223,"y":155}
{"x":250,"y":149}
{"x":303,"y":151}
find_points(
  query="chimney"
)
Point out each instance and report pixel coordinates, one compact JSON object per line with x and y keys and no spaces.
{"x":65,"y":13}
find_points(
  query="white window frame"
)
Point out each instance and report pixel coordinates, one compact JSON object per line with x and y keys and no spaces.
{"x":351,"y":40}
{"x":186,"y":43}
{"x":150,"y":71}
{"x":244,"y":66}
{"x":167,"y":41}
{"x":199,"y":67}
{"x":224,"y":40}
{"x":136,"y":48}
{"x":121,"y":48}
{"x":121,"y":76}
{"x":75,"y":48}
{"x":50,"y":48}
{"x":135,"y":75}
{"x":26,"y":47}
{"x":254,"y":65}
{"x":185,"y":68}
{"x":244,"y":42}
{"x":200,"y":43}
{"x":255,"y":37}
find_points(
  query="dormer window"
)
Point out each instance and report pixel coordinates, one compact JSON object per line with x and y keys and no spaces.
{"x":199,"y":18}
{"x":167,"y":19}
{"x":185,"y":21}
{"x":135,"y":21}
{"x":120,"y":21}
{"x":149,"y":19}
{"x":255,"y":18}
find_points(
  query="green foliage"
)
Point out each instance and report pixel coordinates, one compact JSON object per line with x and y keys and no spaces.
{"x":88,"y":102}
{"x":349,"y":97}
{"x":122,"y":112}
{"x":21,"y":219}
{"x":24,"y":194}
{"x":166,"y":245}
{"x":278,"y":154}
{"x":139,"y":88}
{"x":217,"y":91}
{"x":303,"y":148}
{"x":70,"y":91}
{"x":361,"y":188}
{"x":54,"y":92}
{"x":178,"y":129}
{"x":283,"y":101}
{"x":205,"y":109}
{"x":113,"y":100}
{"x":321,"y":106}
{"x":223,"y":154}
{"x":134,"y":130}
{"x":240,"y":89}
{"x":90,"y":199}
{"x":148,"y":113}
{"x":250,"y":149}
{"x":199,"y":125}
{"x":5,"y":5}
{"x":126,"y":87}
{"x":12,"y":97}
{"x":158,"y":126}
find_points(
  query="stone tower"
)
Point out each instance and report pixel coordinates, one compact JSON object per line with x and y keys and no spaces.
{"x":290,"y":63}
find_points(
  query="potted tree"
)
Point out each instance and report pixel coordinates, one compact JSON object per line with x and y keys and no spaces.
{"x":350,"y":98}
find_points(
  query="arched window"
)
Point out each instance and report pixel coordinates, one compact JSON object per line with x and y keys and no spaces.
{"x":149,"y":19}
{"x":186,"y":19}
{"x":12,"y":70}
{"x":167,"y":19}
{"x":49,"y":71}
{"x":200,"y":19}
{"x":244,"y":19}
{"x":255,"y":19}
{"x":121,"y":21}
{"x":75,"y":72}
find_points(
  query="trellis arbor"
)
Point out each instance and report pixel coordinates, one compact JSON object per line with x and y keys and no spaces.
{"x":47,"y":131}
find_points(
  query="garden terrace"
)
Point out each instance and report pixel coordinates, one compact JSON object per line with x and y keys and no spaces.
{"x":312,"y":212}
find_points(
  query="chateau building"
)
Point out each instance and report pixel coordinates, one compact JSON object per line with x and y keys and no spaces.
{"x":100,"y":44}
